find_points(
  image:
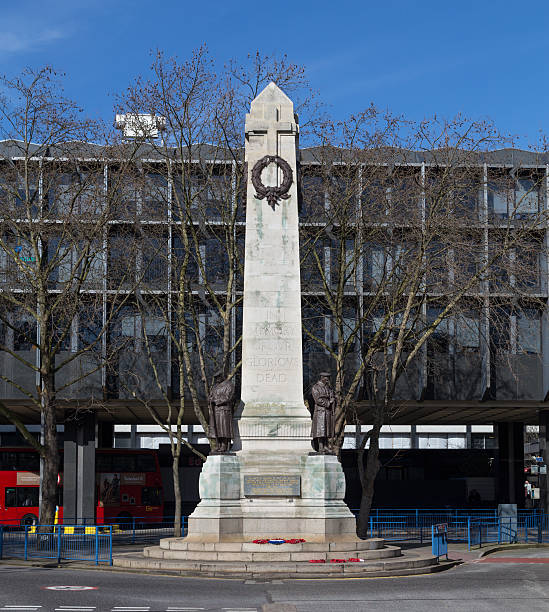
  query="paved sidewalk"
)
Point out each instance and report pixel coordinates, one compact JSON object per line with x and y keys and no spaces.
{"x":456,"y":552}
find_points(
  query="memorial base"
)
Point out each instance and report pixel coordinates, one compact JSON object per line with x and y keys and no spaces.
{"x":302,"y":498}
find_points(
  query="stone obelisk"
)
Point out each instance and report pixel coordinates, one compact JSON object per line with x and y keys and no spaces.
{"x":272,"y":484}
{"x":273,"y":415}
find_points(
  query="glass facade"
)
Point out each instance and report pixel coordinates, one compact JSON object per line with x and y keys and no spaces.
{"x":144,"y":246}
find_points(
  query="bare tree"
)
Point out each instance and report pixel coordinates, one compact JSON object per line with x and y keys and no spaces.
{"x":54,"y":213}
{"x":400,"y":259}
{"x":199,"y":185}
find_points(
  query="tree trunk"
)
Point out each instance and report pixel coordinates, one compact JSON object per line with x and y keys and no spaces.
{"x":367,"y":480}
{"x":177,"y":531}
{"x":50,"y":465}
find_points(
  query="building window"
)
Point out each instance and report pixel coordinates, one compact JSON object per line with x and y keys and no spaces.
{"x":441,"y":440}
{"x":529,"y":331}
{"x":24,"y":337}
{"x":513,"y":199}
{"x":526,"y":198}
{"x":375,"y":266}
{"x":499,"y":197}
{"x":468,"y":331}
{"x":394,"y":440}
{"x":526,"y":266}
{"x":483,"y":441}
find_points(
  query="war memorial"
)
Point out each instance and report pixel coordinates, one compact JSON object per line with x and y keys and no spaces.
{"x":271,"y":483}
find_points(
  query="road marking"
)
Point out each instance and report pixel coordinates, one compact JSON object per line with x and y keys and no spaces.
{"x":70,"y":588}
{"x":515,"y":560}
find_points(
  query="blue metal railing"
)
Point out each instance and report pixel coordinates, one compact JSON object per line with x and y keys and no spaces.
{"x":402,"y":530}
{"x":87,"y":541}
{"x":474,"y":526}
{"x":133,"y":530}
{"x":502,"y":530}
{"x":439,"y":540}
{"x":92,"y":543}
{"x":534,"y":528}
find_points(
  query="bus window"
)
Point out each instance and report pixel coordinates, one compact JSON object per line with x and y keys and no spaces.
{"x":123,"y":463}
{"x":151,"y":496}
{"x":21,"y":497}
{"x":24,"y":461}
{"x":10,"y":498}
{"x":103,"y":462}
{"x":28,"y":462}
{"x":145,"y":463}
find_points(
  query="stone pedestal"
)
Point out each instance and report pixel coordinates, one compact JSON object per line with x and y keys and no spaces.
{"x":218,"y":517}
{"x":227,"y":514}
{"x":318,"y":514}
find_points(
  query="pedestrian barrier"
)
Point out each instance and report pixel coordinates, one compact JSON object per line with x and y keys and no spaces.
{"x":535,"y":528}
{"x":498,"y":531}
{"x":404,"y":530}
{"x":126,"y":530}
{"x":476,"y":527}
{"x":92,"y":542}
{"x":439,"y":540}
{"x":57,"y":542}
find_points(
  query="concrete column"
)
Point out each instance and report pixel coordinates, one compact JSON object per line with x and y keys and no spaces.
{"x":79,"y":469}
{"x":133,"y":436}
{"x":414,"y":441}
{"x":511,"y":463}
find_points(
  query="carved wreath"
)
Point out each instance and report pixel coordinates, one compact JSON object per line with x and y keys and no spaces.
{"x":273,"y":194}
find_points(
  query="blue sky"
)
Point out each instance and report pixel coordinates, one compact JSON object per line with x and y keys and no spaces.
{"x":483,"y":58}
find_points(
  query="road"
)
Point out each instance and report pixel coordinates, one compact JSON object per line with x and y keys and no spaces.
{"x":508,"y":582}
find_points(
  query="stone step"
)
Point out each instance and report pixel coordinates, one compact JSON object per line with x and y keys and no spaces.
{"x":270,"y":553}
{"x":340,"y":546}
{"x":407,"y":564}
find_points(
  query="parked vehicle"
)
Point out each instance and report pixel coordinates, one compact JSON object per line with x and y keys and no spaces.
{"x":127,"y":485}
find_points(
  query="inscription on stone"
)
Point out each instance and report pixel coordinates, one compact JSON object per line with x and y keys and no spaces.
{"x":272,"y":485}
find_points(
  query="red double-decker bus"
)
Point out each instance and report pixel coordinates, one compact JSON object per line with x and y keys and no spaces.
{"x":128,"y":486}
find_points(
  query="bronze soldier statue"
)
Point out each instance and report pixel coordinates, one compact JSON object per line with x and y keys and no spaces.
{"x":220,"y":408}
{"x":323,"y":428}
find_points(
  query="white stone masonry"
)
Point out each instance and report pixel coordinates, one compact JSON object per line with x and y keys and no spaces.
{"x":272,"y":412}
